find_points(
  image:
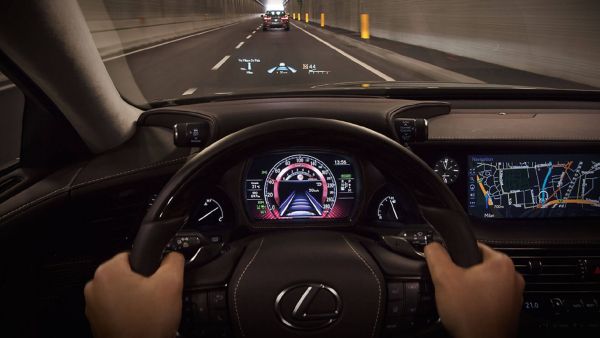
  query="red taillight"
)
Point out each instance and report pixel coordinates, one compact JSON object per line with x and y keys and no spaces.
{"x":284,"y":17}
{"x":267,"y":18}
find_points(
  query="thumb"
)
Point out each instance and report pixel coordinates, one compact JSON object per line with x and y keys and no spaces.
{"x":173,"y":263}
{"x":439,"y":262}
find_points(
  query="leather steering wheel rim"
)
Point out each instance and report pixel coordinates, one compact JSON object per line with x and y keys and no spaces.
{"x":156,"y":229}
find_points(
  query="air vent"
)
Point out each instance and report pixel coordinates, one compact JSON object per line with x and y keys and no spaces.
{"x":556,"y":266}
{"x":551,"y":269}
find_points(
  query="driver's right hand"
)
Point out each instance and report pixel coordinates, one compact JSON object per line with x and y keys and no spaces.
{"x":481,"y":301}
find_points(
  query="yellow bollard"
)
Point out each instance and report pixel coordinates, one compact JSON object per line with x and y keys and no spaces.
{"x":364,"y":26}
{"x":322,"y":19}
{"x":306,"y":17}
{"x":294,"y":16}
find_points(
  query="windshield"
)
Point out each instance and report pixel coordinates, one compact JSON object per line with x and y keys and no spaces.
{"x":164,"y":50}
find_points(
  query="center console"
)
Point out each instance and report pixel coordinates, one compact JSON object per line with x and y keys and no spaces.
{"x":540,"y":204}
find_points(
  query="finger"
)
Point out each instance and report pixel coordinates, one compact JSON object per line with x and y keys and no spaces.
{"x":116,"y":265}
{"x":87,"y":295}
{"x":87,"y":290}
{"x":520,"y":282}
{"x":121,"y":259}
{"x":172,"y":264}
{"x":439,"y":262}
{"x":487,"y":252}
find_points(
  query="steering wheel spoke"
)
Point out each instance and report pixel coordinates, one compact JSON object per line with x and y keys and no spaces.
{"x":298,"y":283}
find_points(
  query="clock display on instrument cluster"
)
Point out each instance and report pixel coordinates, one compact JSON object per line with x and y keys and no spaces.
{"x":300,"y":186}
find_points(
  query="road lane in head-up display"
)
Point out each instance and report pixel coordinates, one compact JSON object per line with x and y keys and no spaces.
{"x":534,"y":186}
{"x":300,"y":185}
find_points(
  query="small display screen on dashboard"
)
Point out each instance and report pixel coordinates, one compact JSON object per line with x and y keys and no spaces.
{"x":534,"y":186}
{"x":300,"y":185}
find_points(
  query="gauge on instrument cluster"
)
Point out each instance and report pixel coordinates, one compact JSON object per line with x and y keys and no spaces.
{"x":447,"y":169}
{"x":387,"y":209}
{"x":391,"y":205}
{"x":210,"y":212}
{"x":213,"y":210}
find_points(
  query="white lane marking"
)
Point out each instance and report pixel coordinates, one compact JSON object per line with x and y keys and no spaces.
{"x":253,"y":32}
{"x":165,"y":43}
{"x":248,"y":37}
{"x":350,"y":57}
{"x":239,"y":45}
{"x":220,"y":63}
{"x":8,"y":86}
{"x":190,"y":91}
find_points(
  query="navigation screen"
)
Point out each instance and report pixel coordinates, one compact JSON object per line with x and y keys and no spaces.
{"x":534,"y":186}
{"x":300,"y":185}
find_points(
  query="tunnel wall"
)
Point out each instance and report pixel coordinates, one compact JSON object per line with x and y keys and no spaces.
{"x":121,"y":25}
{"x":550,"y":37}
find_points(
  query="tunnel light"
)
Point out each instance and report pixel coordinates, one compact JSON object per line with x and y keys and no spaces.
{"x":274,"y":5}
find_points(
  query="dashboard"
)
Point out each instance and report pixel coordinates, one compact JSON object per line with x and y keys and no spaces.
{"x":528,"y":181}
{"x":328,"y":187}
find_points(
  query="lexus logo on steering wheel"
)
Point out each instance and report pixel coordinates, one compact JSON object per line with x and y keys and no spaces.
{"x":308,"y":306}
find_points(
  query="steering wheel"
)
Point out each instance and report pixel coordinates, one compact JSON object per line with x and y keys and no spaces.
{"x":307,"y":281}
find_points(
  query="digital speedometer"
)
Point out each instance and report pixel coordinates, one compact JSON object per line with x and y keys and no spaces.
{"x":300,"y":185}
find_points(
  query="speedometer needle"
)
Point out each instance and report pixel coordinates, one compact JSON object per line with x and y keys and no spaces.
{"x":210,"y":212}
{"x":394,"y":210}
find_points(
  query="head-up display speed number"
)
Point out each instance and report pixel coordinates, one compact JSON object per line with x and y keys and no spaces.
{"x":300,"y":186}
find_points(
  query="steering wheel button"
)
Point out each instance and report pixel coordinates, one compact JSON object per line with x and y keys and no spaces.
{"x":395,"y":309}
{"x":395,"y":291}
{"x":411,"y":290}
{"x":427,"y":305}
{"x":217,"y":300}
{"x":218,"y":316}
{"x":200,"y":306}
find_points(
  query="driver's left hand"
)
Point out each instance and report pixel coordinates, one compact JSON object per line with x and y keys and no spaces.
{"x":122,"y":303}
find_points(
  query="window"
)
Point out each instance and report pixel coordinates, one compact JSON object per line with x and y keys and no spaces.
{"x":12,"y":104}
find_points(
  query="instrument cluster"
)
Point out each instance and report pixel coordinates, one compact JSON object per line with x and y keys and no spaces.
{"x":300,"y":186}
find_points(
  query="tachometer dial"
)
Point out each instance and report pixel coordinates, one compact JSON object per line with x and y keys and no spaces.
{"x":389,"y":210}
{"x":209,"y":212}
{"x":447,"y":169}
{"x":300,"y":186}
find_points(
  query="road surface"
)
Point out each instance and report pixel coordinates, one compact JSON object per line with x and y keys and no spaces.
{"x":242,"y":57}
{"x":239,"y":57}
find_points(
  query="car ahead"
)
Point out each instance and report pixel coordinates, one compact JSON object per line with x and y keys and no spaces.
{"x":275,"y":19}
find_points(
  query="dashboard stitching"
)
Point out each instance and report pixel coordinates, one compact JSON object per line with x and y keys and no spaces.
{"x":237,"y":313}
{"x":376,"y":279}
{"x":131,"y":171}
{"x":35,"y":201}
{"x":78,"y":185}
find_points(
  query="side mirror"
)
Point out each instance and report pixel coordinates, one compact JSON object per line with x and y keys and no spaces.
{"x":262,"y":15}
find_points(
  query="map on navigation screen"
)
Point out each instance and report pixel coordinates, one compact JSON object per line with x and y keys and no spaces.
{"x":534,"y":186}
